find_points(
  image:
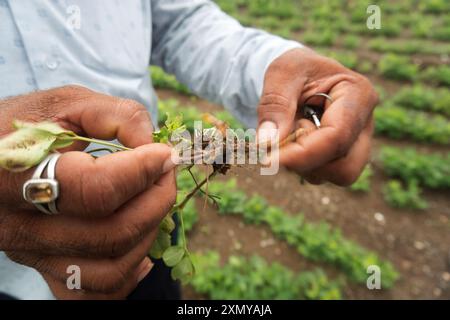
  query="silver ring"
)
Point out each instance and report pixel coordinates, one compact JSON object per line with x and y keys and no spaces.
{"x":319,"y":94}
{"x":310,"y":112}
{"x":41,"y":191}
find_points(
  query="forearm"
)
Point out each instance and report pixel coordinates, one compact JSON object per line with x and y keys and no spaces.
{"x":214,"y":55}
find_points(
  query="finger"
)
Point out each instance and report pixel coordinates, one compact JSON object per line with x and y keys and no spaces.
{"x":278,"y":104}
{"x":99,"y":115}
{"x":90,"y":187}
{"x":106,"y":183}
{"x":62,"y":292}
{"x":309,"y":127}
{"x":99,"y":275}
{"x":344,"y":171}
{"x":103,"y":237}
{"x":342,"y":123}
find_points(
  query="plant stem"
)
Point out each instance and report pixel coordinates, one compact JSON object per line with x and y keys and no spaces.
{"x":183,"y":232}
{"x":179,"y":208}
{"x":101,"y":142}
{"x":193,"y":192}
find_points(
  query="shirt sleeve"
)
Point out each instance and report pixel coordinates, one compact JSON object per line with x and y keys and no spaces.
{"x":211,"y":53}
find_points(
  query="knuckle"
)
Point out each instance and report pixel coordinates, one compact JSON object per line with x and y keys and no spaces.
{"x":374,"y":97}
{"x":368,"y":89}
{"x":119,"y":242}
{"x":96,"y":195}
{"x":133,"y":109}
{"x":362,"y":79}
{"x":273,"y":102}
{"x":341,"y":142}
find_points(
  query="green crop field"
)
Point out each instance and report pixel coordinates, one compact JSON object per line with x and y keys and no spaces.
{"x":276,"y":238}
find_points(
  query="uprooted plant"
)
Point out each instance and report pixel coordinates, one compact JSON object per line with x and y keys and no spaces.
{"x":30,"y":143}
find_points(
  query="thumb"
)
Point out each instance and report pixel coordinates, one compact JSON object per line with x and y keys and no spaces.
{"x":278,"y":105}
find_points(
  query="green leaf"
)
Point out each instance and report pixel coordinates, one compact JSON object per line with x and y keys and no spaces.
{"x":161,"y":136}
{"x":61,"y":142}
{"x":160,"y":245}
{"x":184,"y":270}
{"x":31,"y":143}
{"x":64,"y":137}
{"x":173,"y":255}
{"x":167,"y":225}
{"x":24,"y":149}
{"x":172,"y":124}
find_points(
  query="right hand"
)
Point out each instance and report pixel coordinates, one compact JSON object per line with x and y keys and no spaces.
{"x":110,"y":207}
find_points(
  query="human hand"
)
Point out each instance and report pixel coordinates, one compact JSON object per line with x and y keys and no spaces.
{"x":110,"y":206}
{"x":340,"y":149}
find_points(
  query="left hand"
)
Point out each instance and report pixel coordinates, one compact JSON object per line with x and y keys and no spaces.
{"x":340,"y":149}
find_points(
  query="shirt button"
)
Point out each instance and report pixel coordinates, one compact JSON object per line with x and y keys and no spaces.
{"x":52,"y":64}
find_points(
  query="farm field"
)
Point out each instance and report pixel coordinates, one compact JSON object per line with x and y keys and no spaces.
{"x":274,"y":237}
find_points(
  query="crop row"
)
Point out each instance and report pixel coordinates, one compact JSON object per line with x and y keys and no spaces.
{"x":408,"y":46}
{"x":286,"y":17}
{"x":317,"y":242}
{"x":391,"y":66}
{"x":430,"y":170}
{"x":397,"y":67}
{"x":423,"y":98}
{"x":325,"y":8}
{"x":255,"y":279}
{"x":396,"y":193}
{"x":399,"y":195}
{"x":400,"y":123}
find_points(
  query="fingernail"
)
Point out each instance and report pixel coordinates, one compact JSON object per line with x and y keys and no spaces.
{"x":145,"y":271}
{"x":171,"y":162}
{"x":267,"y":131}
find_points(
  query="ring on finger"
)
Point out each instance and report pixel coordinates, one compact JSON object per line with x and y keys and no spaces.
{"x":43,"y":191}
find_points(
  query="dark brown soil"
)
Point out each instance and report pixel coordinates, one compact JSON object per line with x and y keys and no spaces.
{"x":417,"y":243}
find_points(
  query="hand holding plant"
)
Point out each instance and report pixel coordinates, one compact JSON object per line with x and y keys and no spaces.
{"x":110,"y":206}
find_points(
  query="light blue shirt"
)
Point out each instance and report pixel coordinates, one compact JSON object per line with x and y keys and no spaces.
{"x":42,"y":47}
